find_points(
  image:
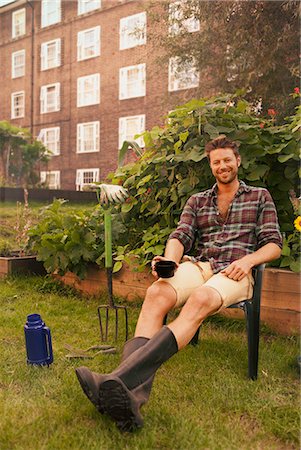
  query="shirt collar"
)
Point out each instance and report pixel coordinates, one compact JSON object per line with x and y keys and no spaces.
{"x":243,"y":187}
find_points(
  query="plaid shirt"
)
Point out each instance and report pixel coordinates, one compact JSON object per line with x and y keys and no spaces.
{"x":251,"y":223}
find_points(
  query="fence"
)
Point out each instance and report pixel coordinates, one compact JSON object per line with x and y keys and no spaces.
{"x":46,"y":195}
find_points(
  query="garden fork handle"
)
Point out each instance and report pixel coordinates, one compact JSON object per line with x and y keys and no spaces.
{"x":110,"y":286}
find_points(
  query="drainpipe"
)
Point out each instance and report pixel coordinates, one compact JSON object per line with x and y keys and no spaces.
{"x":32,"y":67}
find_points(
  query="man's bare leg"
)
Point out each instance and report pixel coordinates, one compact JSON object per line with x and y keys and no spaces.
{"x":159,"y":300}
{"x":203,"y":302}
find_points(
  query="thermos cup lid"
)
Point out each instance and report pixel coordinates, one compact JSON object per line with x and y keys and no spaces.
{"x":34,"y":320}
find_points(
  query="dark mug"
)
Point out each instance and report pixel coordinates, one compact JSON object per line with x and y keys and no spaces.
{"x":165,"y":269}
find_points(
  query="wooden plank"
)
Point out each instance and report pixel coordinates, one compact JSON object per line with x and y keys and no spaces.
{"x":277,"y":280}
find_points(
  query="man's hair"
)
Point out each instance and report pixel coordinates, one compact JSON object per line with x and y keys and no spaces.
{"x":221,"y":142}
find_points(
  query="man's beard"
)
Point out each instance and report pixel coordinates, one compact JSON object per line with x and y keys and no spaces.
{"x":232,"y":177}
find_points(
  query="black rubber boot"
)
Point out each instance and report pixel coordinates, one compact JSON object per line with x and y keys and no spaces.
{"x":132,"y":345}
{"x":89,"y":381}
{"x":119,"y":393}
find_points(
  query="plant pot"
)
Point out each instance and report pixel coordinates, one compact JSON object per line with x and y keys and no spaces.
{"x":280,"y":300}
{"x":13,"y":265}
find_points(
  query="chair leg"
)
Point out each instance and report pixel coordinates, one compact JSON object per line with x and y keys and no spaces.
{"x":252,"y":313}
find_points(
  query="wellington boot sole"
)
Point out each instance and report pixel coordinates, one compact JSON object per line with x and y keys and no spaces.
{"x":89,"y":386}
{"x":120,"y":404}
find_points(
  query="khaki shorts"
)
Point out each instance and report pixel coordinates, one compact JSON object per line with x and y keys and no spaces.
{"x":190,"y":276}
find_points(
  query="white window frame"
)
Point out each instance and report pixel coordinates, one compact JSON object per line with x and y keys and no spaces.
{"x":90,"y":96}
{"x":46,"y":48}
{"x":81,"y":142}
{"x":132,"y":31}
{"x":50,"y":12}
{"x":125,"y":90}
{"x":189,"y":25}
{"x":80,"y":177}
{"x":49,"y":173}
{"x":50,"y":137}
{"x":85,"y":6}
{"x":86,"y":49}
{"x":178,"y":79}
{"x":15,"y":108}
{"x":18,"y":29}
{"x":18,"y":70}
{"x":124,"y":134}
{"x":45,"y":105}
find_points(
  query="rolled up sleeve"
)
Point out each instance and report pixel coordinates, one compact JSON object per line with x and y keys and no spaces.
{"x":267,"y":229}
{"x":186,"y":229}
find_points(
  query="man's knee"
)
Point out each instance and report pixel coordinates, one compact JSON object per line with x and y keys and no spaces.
{"x":204,"y":300}
{"x":161,"y":296}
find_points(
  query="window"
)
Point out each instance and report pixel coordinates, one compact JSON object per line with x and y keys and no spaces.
{"x":17,"y":105}
{"x":50,"y":12}
{"x":129,"y":127}
{"x":18,"y":64}
{"x":19,"y":23}
{"x":88,"y":43}
{"x":51,"y":179}
{"x":50,"y":137}
{"x":88,"y":137}
{"x":133,"y":31}
{"x":85,"y":6}
{"x":132,"y":81}
{"x":86,"y":176}
{"x":178,"y":23}
{"x":50,"y":98}
{"x":88,"y":90}
{"x":182,"y":75}
{"x":51,"y":54}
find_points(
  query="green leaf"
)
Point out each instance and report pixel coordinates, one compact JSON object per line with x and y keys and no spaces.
{"x":126,"y":207}
{"x":125,"y":148}
{"x":284,"y":158}
{"x":286,"y":250}
{"x":117,"y":266}
{"x":211,"y":130}
{"x":295,"y":266}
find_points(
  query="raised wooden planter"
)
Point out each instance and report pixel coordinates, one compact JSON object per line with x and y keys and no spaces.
{"x":13,"y":265}
{"x":280,"y":305}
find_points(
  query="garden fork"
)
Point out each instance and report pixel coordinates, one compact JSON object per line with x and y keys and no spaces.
{"x":110,"y":194}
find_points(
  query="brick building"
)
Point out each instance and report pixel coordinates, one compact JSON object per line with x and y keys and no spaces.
{"x":82,"y":76}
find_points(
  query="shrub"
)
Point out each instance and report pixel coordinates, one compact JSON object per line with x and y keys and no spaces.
{"x":173,"y":167}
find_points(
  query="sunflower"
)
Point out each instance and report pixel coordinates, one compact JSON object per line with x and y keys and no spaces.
{"x":297,"y":223}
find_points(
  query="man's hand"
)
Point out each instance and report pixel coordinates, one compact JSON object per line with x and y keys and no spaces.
{"x":238,"y":269}
{"x":156,"y":259}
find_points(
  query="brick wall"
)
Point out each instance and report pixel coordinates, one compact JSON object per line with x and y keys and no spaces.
{"x":157,"y":101}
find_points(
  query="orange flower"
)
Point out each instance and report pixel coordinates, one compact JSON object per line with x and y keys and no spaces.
{"x":297,"y":223}
{"x":271,"y":112}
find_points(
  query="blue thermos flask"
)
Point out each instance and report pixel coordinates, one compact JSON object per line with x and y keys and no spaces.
{"x":38,"y":341}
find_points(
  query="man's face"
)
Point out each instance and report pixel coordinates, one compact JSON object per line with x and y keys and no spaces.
{"x":224,"y":165}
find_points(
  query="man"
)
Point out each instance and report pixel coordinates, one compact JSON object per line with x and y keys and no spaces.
{"x":236,"y":228}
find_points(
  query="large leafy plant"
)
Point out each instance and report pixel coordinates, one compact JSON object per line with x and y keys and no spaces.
{"x":69,"y":241}
{"x":174,"y":166}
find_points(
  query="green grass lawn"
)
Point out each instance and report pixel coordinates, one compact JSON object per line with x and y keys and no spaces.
{"x":201,"y":397}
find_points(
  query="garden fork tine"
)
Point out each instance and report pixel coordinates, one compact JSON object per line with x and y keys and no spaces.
{"x":104,"y":330}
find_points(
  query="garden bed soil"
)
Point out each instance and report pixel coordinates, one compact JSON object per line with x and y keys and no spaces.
{"x":14,"y":264}
{"x":280,"y":300}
